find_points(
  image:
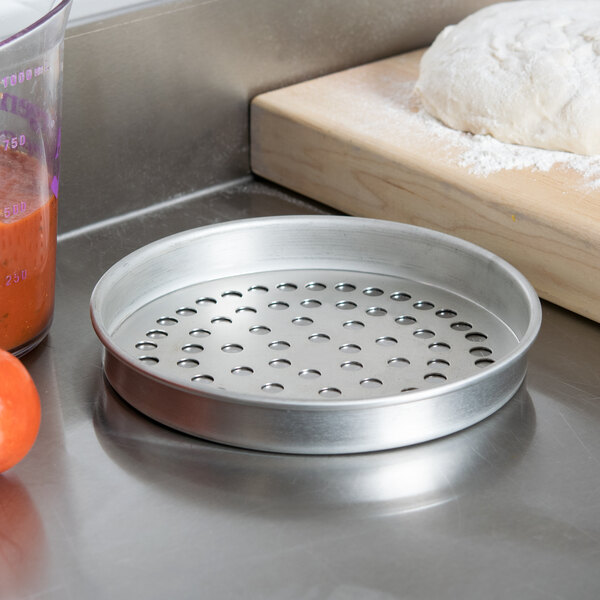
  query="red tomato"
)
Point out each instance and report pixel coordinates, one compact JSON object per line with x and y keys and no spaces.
{"x":20,"y":411}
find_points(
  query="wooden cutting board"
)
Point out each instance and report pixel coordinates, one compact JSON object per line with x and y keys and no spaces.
{"x":356,"y":140}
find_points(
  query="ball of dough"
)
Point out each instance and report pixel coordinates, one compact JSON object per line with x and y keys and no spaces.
{"x":525,"y":72}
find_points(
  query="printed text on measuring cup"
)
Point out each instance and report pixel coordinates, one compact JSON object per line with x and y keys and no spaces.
{"x":22,"y":76}
{"x":15,"y":278}
{"x":14,"y":142}
{"x":12,"y":210}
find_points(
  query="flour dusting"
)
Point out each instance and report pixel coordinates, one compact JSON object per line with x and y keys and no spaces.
{"x":389,"y":109}
{"x":483,"y":155}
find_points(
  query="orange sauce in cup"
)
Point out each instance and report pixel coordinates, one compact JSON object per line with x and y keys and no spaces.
{"x":28,"y":217}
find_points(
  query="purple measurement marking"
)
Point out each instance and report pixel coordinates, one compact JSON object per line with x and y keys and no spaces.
{"x":15,"y":278}
{"x":54,"y":186}
{"x":13,"y":210}
{"x":38,"y":119}
{"x":21,"y":76}
{"x":14,"y":141}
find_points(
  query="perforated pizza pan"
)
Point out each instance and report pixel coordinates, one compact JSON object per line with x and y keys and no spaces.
{"x":315,"y":334}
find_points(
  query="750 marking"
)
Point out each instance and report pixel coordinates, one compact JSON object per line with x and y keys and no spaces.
{"x":14,"y":142}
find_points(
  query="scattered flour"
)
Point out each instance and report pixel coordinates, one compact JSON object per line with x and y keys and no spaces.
{"x":385,"y":107}
{"x":483,"y":154}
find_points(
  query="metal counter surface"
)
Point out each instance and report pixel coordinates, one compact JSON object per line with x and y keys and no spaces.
{"x":109,"y":504}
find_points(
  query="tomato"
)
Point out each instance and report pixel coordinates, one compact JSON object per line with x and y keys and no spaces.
{"x":20,"y":411}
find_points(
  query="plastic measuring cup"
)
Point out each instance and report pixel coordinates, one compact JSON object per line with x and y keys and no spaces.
{"x":30,"y":117}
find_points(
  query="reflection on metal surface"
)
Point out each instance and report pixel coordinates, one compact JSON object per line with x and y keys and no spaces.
{"x":387,"y":482}
{"x":132,"y":509}
{"x":22,"y":538}
{"x":170,"y":85}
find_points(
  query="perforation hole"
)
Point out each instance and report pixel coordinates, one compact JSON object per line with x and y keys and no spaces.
{"x":186,"y":311}
{"x":345,"y":287}
{"x":350,"y":348}
{"x":192,"y":348}
{"x":440,"y":347}
{"x":259,"y":330}
{"x":405,"y":320}
{"x":232,"y":348}
{"x":435,"y":377}
{"x":205,"y":301}
{"x":398,"y":362}
{"x":279,"y":345}
{"x":149,"y":360}
{"x":353,"y":325}
{"x":280,"y":363}
{"x":287,"y":287}
{"x":221,"y":321}
{"x":302,"y":321}
{"x":346,"y":305}
{"x":400,"y":296}
{"x":319,"y":338}
{"x":351,"y":365}
{"x":372,"y":291}
{"x":371,"y":382}
{"x":187,"y":363}
{"x":310,"y":303}
{"x":272,"y":388}
{"x":156,"y":334}
{"x":242,"y":371}
{"x":438,"y":363}
{"x":167,"y":321}
{"x":423,"y":334}
{"x":309,"y":374}
{"x":330,"y":392}
{"x":480,"y":351}
{"x":484,"y":362}
{"x":476,"y":337}
{"x":279,"y":305}
{"x":199,"y":333}
{"x":145,"y":346}
{"x":423,"y":305}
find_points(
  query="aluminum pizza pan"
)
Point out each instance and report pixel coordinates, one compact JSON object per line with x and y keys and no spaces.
{"x":315,"y":334}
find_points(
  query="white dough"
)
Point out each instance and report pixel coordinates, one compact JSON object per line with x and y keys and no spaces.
{"x":525,"y":72}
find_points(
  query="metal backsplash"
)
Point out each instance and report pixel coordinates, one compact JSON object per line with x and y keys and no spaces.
{"x":156,"y":99}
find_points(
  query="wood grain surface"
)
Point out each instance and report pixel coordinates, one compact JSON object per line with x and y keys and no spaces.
{"x":353,"y":141}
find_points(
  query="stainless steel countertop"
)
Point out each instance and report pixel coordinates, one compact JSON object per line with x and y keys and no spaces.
{"x":111,"y":505}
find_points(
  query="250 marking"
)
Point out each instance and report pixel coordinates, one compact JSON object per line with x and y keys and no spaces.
{"x":15,"y":278}
{"x":14,"y":142}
